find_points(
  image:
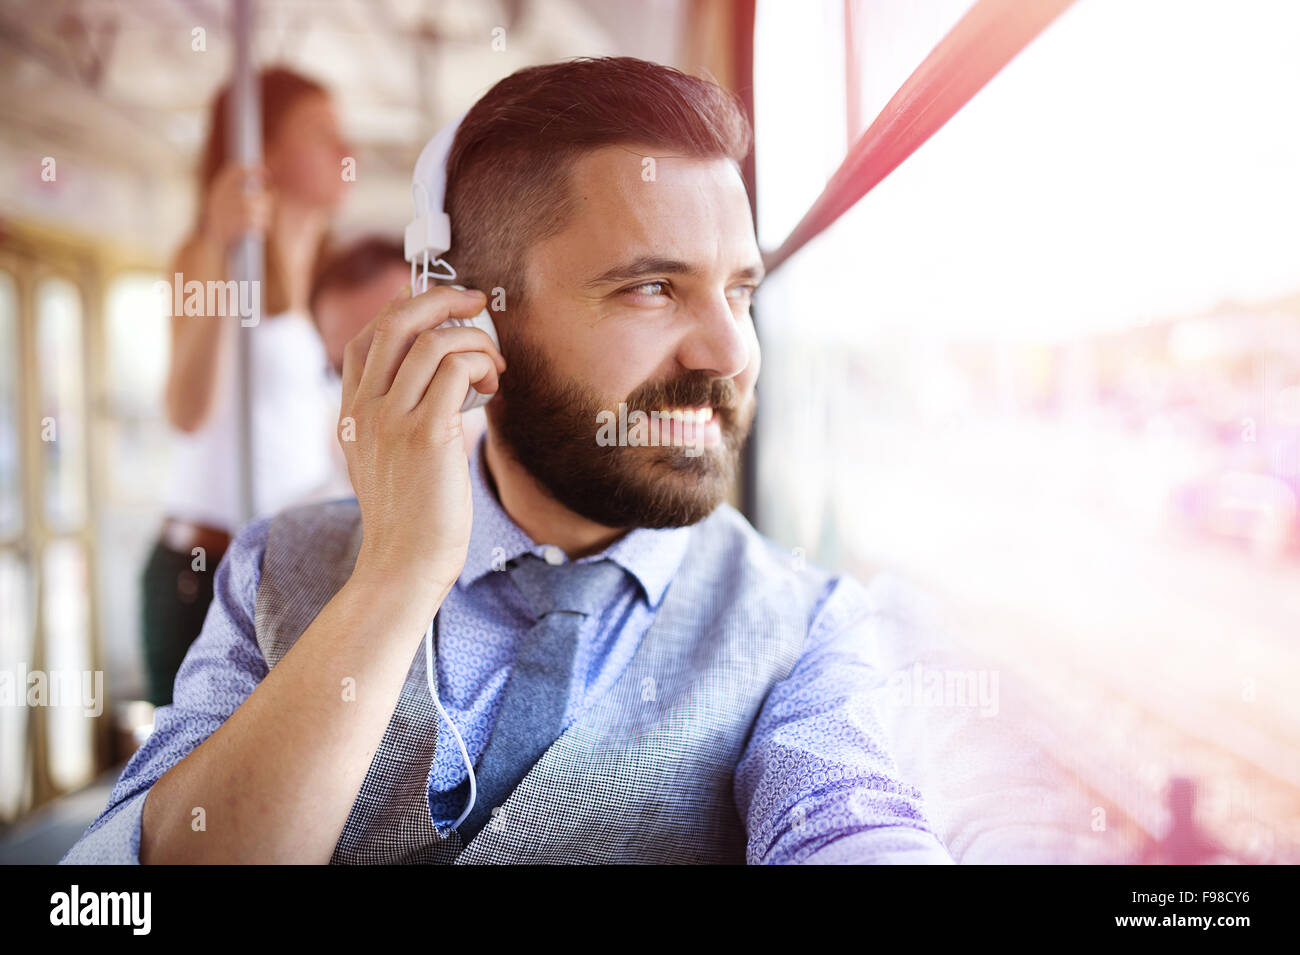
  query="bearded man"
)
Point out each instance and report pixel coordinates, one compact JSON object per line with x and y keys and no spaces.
{"x":630,"y":670}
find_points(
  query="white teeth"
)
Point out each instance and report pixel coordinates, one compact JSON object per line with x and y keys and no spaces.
{"x":692,"y":415}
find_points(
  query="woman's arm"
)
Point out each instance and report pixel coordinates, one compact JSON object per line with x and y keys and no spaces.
{"x":199,"y":349}
{"x":237,"y":204}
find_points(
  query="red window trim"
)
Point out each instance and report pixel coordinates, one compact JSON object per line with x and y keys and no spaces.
{"x":985,"y":40}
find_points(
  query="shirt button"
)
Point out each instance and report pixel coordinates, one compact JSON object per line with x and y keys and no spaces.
{"x":554,"y":556}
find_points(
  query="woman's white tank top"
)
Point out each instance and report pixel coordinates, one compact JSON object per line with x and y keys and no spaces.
{"x":295,"y":410}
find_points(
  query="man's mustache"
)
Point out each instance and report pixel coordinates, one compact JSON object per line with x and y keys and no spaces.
{"x":694,"y":390}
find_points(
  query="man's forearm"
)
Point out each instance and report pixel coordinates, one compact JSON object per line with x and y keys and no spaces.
{"x":277,"y":780}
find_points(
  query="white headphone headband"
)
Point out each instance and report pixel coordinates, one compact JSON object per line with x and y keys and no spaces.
{"x":428,"y":235}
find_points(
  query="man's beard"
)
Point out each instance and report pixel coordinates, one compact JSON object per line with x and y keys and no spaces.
{"x":550,"y":427}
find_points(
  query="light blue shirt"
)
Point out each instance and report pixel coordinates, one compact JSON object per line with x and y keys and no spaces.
{"x":815,"y":783}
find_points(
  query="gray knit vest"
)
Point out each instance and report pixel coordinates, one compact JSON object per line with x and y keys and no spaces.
{"x":645,"y":776}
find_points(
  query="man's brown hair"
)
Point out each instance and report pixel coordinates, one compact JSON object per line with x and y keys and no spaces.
{"x":507,"y":173}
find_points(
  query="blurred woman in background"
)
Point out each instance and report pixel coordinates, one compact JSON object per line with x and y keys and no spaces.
{"x":289,"y":200}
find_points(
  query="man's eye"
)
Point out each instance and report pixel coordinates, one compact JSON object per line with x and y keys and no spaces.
{"x":649,"y":288}
{"x":744,"y":292}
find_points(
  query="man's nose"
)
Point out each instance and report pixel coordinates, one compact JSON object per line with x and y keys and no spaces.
{"x":715,"y":343}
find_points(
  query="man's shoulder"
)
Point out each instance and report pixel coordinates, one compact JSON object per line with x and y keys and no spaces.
{"x":311,"y":525}
{"x":310,"y":553}
{"x":299,"y":520}
{"x":303,"y":539}
{"x":886,"y":596}
{"x":338,"y":510}
{"x":744,"y":548}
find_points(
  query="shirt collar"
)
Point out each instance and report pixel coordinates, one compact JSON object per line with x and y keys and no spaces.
{"x":651,"y":555}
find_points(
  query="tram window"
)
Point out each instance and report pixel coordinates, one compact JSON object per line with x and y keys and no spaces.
{"x":61,"y":373}
{"x":15,"y":630}
{"x":11,"y":516}
{"x":1046,"y":369}
{"x":879,"y":69}
{"x":805,"y":118}
{"x":65,"y":585}
{"x":137,"y":338}
{"x":75,"y":688}
{"x":137,"y":342}
{"x":15,"y":649}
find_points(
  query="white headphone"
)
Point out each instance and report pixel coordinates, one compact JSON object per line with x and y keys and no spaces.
{"x":432,"y":679}
{"x":428,"y":237}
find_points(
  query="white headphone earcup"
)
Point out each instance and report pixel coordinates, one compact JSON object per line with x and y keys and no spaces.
{"x":482,"y":321}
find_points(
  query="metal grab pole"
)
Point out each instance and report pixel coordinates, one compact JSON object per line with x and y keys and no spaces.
{"x":247,"y":263}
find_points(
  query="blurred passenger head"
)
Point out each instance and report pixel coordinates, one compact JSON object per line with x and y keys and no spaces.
{"x":604,"y":199}
{"x":350,"y":288}
{"x":301,"y":148}
{"x":301,"y":142}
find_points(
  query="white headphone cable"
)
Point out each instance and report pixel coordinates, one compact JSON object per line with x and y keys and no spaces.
{"x":446,"y":720}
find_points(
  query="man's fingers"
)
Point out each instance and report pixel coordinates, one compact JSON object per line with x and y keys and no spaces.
{"x":354,"y":353}
{"x":429,"y":349}
{"x":396,"y":330}
{"x":456,"y":374}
